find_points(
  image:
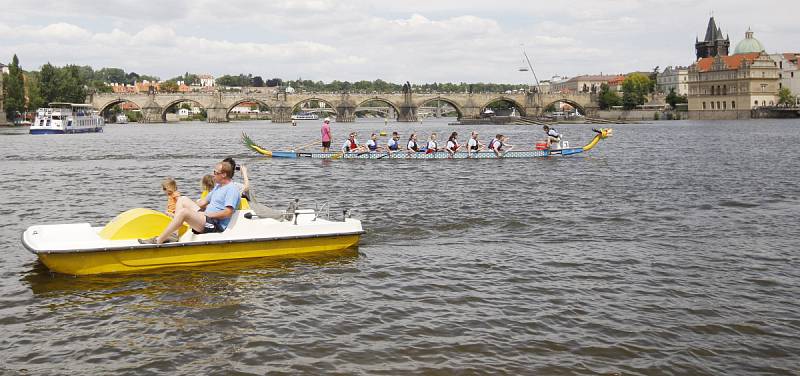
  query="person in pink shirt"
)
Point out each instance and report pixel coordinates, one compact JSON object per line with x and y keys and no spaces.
{"x":326,"y":135}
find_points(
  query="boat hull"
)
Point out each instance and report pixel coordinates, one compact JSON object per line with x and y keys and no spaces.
{"x":178,"y":255}
{"x":62,"y":131}
{"x":436,"y":155}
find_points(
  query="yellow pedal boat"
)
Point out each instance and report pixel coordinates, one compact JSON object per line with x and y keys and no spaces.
{"x":80,"y":249}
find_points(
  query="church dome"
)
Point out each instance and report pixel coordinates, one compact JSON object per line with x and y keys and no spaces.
{"x":748,"y":45}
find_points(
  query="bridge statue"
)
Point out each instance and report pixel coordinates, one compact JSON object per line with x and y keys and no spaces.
{"x":341,"y":106}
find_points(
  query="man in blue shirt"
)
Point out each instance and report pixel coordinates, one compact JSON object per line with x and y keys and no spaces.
{"x":219,"y":206}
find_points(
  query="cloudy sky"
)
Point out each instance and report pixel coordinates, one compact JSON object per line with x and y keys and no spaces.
{"x":418,"y":41}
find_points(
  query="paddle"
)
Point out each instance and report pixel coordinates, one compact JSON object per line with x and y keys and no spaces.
{"x":306,"y":145}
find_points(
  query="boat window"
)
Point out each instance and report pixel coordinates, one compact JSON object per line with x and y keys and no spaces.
{"x":56,"y":117}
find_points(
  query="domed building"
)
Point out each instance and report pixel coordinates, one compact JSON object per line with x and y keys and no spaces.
{"x":749,"y":45}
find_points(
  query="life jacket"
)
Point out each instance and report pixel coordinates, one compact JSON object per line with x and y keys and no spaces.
{"x":393,"y":145}
{"x":352,"y":146}
{"x":496,"y":142}
{"x":435,"y":145}
{"x":413,"y":145}
{"x":455,"y":145}
{"x":474,"y":147}
{"x":372,"y":145}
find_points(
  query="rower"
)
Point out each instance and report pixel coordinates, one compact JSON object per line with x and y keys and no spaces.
{"x":412,"y":143}
{"x":351,"y":144}
{"x":432,"y":145}
{"x":452,"y":144}
{"x":393,"y":144}
{"x":473,"y":145}
{"x":372,"y":144}
{"x":496,"y":144}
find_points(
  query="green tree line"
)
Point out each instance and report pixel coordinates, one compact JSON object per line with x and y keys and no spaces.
{"x":29,"y":90}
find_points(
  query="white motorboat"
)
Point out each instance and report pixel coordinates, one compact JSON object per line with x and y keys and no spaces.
{"x":67,"y":118}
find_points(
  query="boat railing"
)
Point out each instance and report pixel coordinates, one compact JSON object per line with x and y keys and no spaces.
{"x":320,"y":209}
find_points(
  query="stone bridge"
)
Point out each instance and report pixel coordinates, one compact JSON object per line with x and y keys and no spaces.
{"x":218,"y":105}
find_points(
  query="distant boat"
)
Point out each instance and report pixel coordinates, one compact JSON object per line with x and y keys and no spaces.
{"x":305,"y":116}
{"x":122,"y":119}
{"x":67,"y":118}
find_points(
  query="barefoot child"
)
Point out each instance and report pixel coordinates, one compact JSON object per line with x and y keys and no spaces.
{"x":170,"y":188}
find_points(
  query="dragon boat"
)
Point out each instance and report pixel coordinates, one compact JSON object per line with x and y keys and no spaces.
{"x":80,"y":249}
{"x":539,"y":152}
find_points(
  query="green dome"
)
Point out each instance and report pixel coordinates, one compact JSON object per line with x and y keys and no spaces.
{"x":748,"y":45}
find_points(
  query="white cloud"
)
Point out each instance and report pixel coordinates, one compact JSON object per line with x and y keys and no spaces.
{"x":443,"y":40}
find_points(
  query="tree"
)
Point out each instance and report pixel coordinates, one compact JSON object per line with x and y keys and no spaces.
{"x":673,"y":98}
{"x":33,"y":88}
{"x":785,"y":97}
{"x":47,"y":83}
{"x":14,"y":87}
{"x":608,"y":98}
{"x":169,"y":87}
{"x":70,"y":86}
{"x":635,"y":87}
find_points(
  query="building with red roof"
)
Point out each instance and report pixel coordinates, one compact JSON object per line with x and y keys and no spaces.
{"x":730,"y":87}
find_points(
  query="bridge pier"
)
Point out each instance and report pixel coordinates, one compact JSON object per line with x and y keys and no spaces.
{"x":217,"y":112}
{"x":152,"y":112}
{"x":408,"y":114}
{"x":345,"y":113}
{"x":281,"y":113}
{"x":470,"y":109}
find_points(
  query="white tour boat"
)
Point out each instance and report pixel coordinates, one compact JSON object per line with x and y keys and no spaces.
{"x":122,"y":119}
{"x":305,"y":116}
{"x":67,"y":118}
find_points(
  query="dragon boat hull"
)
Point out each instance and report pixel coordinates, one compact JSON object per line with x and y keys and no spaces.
{"x":79,"y":249}
{"x":601,"y":135}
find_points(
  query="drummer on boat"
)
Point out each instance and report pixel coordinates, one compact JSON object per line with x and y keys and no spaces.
{"x":553,"y":137}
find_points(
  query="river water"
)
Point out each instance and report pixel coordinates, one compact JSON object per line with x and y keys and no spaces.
{"x":670,"y":249}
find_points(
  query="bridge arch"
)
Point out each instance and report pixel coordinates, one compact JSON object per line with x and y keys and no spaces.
{"x":574,"y":104}
{"x":382,"y":100}
{"x":104,"y":109}
{"x":169,"y":105}
{"x":243,"y":100}
{"x":330,"y":107}
{"x":519,"y":106}
{"x":459,"y":110}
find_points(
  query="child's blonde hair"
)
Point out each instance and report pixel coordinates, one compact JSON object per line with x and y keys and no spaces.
{"x":207,"y":183}
{"x":169,"y":184}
